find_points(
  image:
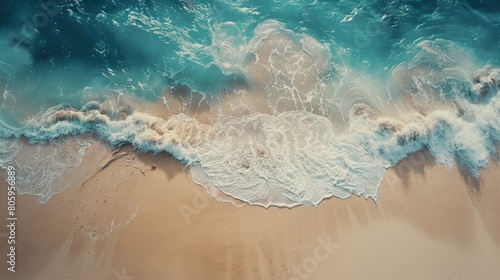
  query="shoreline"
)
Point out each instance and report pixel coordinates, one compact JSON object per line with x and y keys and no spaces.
{"x":142,"y":216}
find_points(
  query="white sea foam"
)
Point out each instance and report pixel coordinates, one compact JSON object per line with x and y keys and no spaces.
{"x":48,"y":169}
{"x":295,"y":155}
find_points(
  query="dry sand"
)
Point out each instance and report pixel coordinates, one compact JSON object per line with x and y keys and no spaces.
{"x":142,"y":218}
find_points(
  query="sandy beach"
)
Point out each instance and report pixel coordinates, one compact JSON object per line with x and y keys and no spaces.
{"x":198,"y":140}
{"x":142,"y":218}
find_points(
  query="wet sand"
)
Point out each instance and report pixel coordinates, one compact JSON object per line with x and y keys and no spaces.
{"x":142,"y":218}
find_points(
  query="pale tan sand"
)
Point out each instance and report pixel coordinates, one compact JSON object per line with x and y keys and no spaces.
{"x":429,"y":223}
